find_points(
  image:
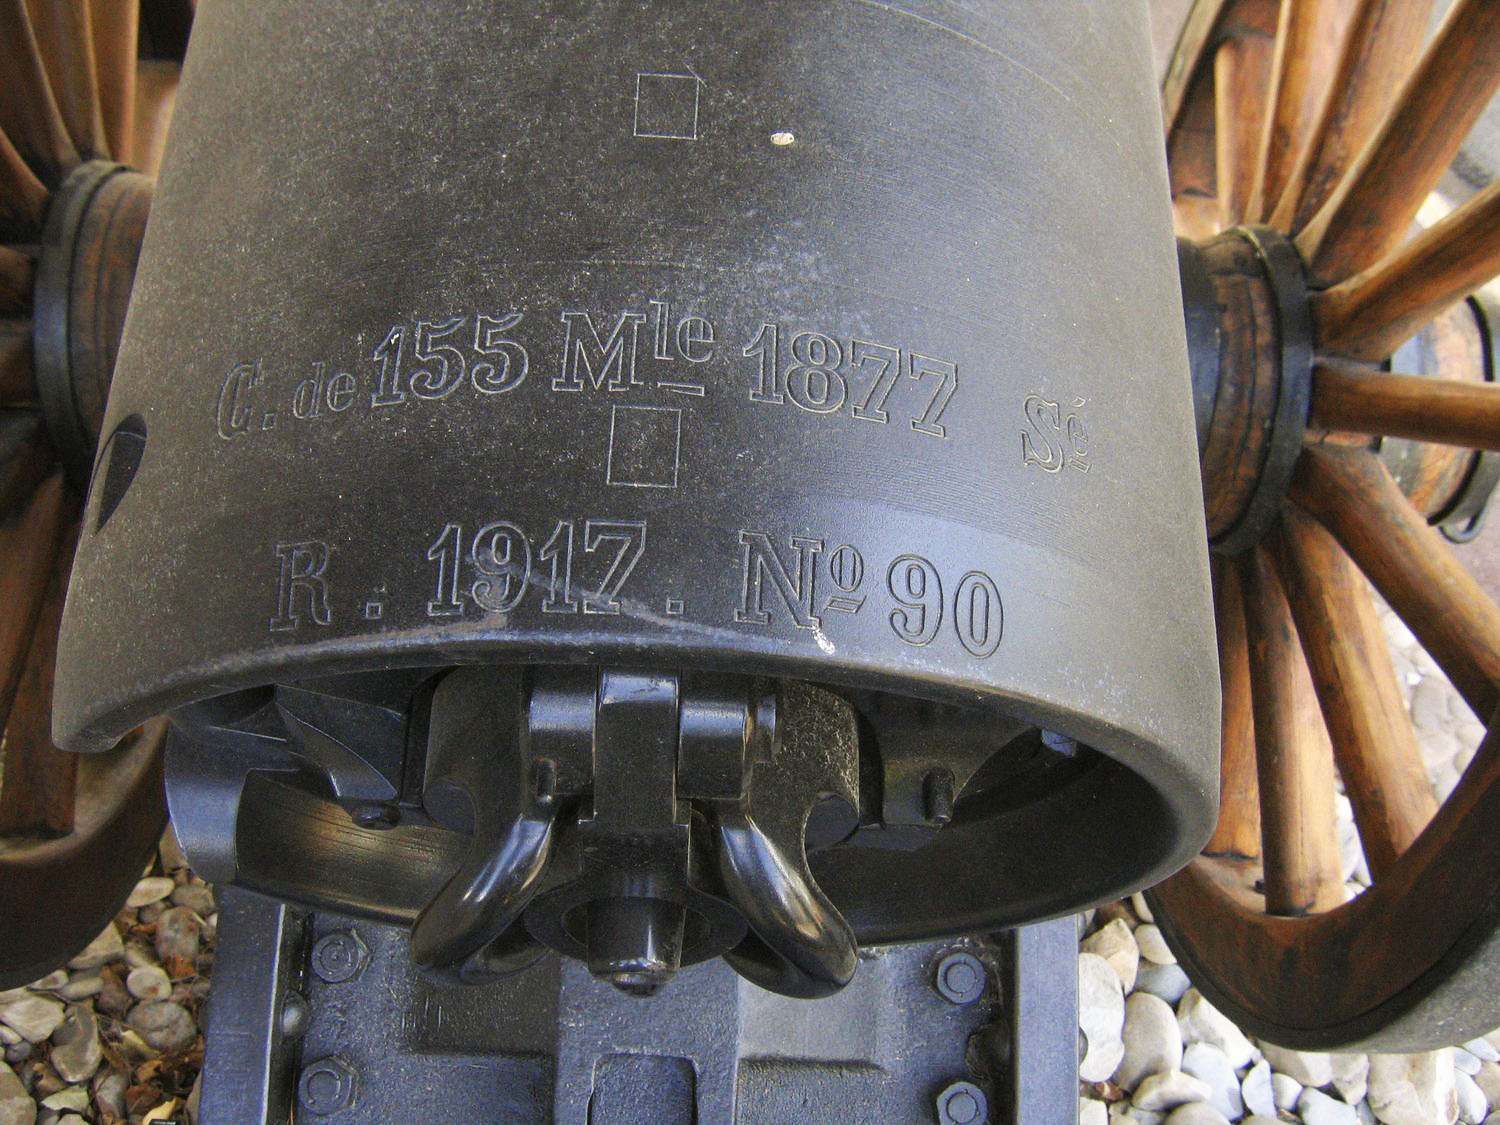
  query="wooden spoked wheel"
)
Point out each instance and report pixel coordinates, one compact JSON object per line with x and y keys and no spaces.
{"x":85,"y":97}
{"x":1303,"y":139}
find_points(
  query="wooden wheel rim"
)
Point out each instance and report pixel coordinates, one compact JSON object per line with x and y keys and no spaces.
{"x":1414,"y":961}
{"x":80,"y":92}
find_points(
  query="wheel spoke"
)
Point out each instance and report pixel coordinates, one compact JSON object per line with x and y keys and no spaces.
{"x":1371,"y":314}
{"x":115,"y":27}
{"x":23,"y":197}
{"x":29,"y":544}
{"x":1353,"y":495}
{"x":1445,"y":411}
{"x":25,"y":458}
{"x":1374,"y":206}
{"x":28,"y":113}
{"x":1382,"y":41}
{"x":17,"y":383}
{"x":1238,"y":831}
{"x":1294,"y":763}
{"x":1305,"y":57}
{"x":15,"y":281}
{"x":37,"y":782}
{"x":67,"y":45}
{"x":1242,"y":66}
{"x":155,"y":97}
{"x":1373,"y":739}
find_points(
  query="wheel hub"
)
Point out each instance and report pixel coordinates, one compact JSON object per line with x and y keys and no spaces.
{"x":1250,"y":338}
{"x":85,"y":269}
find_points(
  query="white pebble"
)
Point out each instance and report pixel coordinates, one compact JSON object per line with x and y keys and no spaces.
{"x":1317,"y":1108}
{"x":101,"y":951}
{"x":1463,"y":759}
{"x":1397,"y":635}
{"x":1153,"y":1043}
{"x":1429,"y":705}
{"x":1473,"y":1106}
{"x":1210,"y":1065}
{"x":1167,"y":981}
{"x":1287,"y":1090}
{"x":82,"y":987}
{"x":150,"y":890}
{"x":69,"y":1097}
{"x":1168,"y":1090}
{"x":1092,"y":1112}
{"x":1444,"y":781}
{"x":34,"y":1018}
{"x":1153,"y":946}
{"x":1142,"y":910}
{"x":149,"y":982}
{"x":1101,"y":1018}
{"x":1483,"y":1050}
{"x":1309,"y":1068}
{"x":1466,"y":1061}
{"x":1488,"y":1080}
{"x":1413,"y":1089}
{"x":1256,"y":1089}
{"x":1201,"y":1022}
{"x":1458,"y":709}
{"x":1351,"y":1076}
{"x":1470,"y":734}
{"x":1116,"y":945}
{"x":1196,"y":1113}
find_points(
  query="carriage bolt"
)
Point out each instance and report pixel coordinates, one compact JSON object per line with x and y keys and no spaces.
{"x":960,"y":978}
{"x":339,"y":957}
{"x":294,"y":1015}
{"x":328,"y":1086}
{"x":376,"y":816}
{"x":937,"y":795}
{"x":634,"y":943}
{"x":962,"y":1103}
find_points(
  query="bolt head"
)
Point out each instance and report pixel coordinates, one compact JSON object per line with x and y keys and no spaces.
{"x":962,"y":1103}
{"x":339,"y":956}
{"x":376,"y":816}
{"x":294,"y":1015}
{"x":960,"y":978}
{"x":328,"y":1086}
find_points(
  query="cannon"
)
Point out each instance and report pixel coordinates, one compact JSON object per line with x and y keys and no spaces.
{"x":743,"y":489}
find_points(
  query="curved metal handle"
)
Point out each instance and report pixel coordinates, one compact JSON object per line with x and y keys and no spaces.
{"x":802,"y":945}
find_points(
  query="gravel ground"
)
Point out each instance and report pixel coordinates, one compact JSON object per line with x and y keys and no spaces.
{"x":1158,"y":1053}
{"x":116,"y":1036}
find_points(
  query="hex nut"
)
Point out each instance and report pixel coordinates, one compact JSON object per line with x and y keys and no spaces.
{"x":339,"y":957}
{"x":962,"y":1103}
{"x":328,"y":1086}
{"x":960,"y":978}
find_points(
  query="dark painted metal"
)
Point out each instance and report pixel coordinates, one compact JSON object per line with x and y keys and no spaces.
{"x":708,"y":349}
{"x":1288,"y":424}
{"x":1043,"y":991}
{"x":1464,"y":518}
{"x":1200,"y":314}
{"x":84,"y":272}
{"x":553,"y":1044}
{"x":249,"y":1063}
